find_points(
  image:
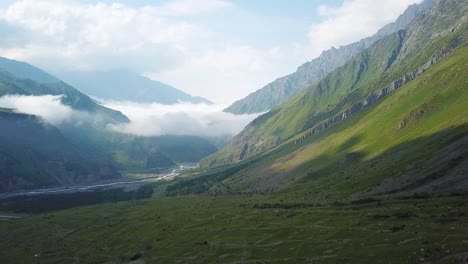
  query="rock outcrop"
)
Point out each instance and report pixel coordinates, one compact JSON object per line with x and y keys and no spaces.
{"x":284,"y":88}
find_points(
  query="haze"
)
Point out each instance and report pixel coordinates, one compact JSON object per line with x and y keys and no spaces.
{"x":219,"y":49}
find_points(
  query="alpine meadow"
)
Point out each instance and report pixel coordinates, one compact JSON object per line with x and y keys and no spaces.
{"x":358,"y":156}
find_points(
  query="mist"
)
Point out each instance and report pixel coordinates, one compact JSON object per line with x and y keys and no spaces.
{"x":180,"y":119}
{"x":147,"y":119}
{"x":48,"y":107}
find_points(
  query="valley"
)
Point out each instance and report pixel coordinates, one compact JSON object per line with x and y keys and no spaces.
{"x":264,"y":229}
{"x":359,"y":156}
{"x":129,"y":182}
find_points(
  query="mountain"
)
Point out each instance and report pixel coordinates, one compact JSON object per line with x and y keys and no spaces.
{"x":24,"y":79}
{"x":26,"y":71}
{"x":123,"y":85}
{"x":363,"y":81}
{"x":373,"y":170}
{"x":391,"y":120}
{"x":412,"y":143}
{"x":89,"y":150}
{"x":35,"y":154}
{"x":286,"y":87}
{"x":141,"y":153}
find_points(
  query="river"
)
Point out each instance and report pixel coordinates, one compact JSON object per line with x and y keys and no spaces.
{"x":136,"y":179}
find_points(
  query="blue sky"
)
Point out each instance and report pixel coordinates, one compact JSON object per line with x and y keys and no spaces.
{"x":218,"y":49}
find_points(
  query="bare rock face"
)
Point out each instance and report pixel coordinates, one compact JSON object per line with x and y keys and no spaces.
{"x":282,"y":89}
{"x":365,"y":79}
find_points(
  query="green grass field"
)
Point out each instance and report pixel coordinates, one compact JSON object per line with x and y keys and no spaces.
{"x":243,"y":229}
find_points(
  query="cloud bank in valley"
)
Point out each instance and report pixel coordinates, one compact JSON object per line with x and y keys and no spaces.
{"x":181,"y":119}
{"x":146,"y":119}
{"x":49,"y":107}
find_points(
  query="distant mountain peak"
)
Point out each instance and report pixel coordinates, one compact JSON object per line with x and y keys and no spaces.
{"x":21,"y":78}
{"x":26,"y":71}
{"x":125,"y":85}
{"x":366,"y":79}
{"x":284,"y":88}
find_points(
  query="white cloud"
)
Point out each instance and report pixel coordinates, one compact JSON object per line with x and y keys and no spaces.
{"x":90,"y":36}
{"x":234,"y":70}
{"x":107,"y":24}
{"x":231,"y":57}
{"x":180,"y":119}
{"x":190,"y":7}
{"x":180,"y":42}
{"x":164,"y":40}
{"x":352,"y":21}
{"x":146,"y":119}
{"x":48,"y":107}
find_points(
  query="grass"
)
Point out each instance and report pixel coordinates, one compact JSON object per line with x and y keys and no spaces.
{"x":387,"y":185}
{"x":364,"y":74}
{"x":409,"y":127}
{"x":204,"y":229}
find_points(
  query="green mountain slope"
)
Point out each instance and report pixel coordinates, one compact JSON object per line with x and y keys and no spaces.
{"x":13,"y":84}
{"x":26,"y":71}
{"x":135,"y":153}
{"x":122,"y":85}
{"x":284,"y":88}
{"x":92,"y":136}
{"x":329,"y":209}
{"x":373,"y":170}
{"x":367,"y":78}
{"x":414,"y":141}
{"x":34,"y":154}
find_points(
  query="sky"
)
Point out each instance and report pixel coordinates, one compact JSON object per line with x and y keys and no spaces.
{"x":218,"y":49}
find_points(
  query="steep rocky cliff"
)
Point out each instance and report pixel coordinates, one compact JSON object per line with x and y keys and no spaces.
{"x":282,"y":89}
{"x":366,"y":77}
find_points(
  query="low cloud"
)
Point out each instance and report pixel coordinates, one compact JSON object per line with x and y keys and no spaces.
{"x":180,"y":119}
{"x":49,"y":107}
{"x":168,"y":40}
{"x":146,"y":119}
{"x":164,"y":39}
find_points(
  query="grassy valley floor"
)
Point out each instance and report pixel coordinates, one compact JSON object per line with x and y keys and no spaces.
{"x":244,"y":229}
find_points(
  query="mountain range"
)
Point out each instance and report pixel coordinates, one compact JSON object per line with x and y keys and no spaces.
{"x":124,"y":85}
{"x":367,"y":164}
{"x":33,"y":81}
{"x":284,"y":88}
{"x":35,"y":153}
{"x":366,"y":79}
